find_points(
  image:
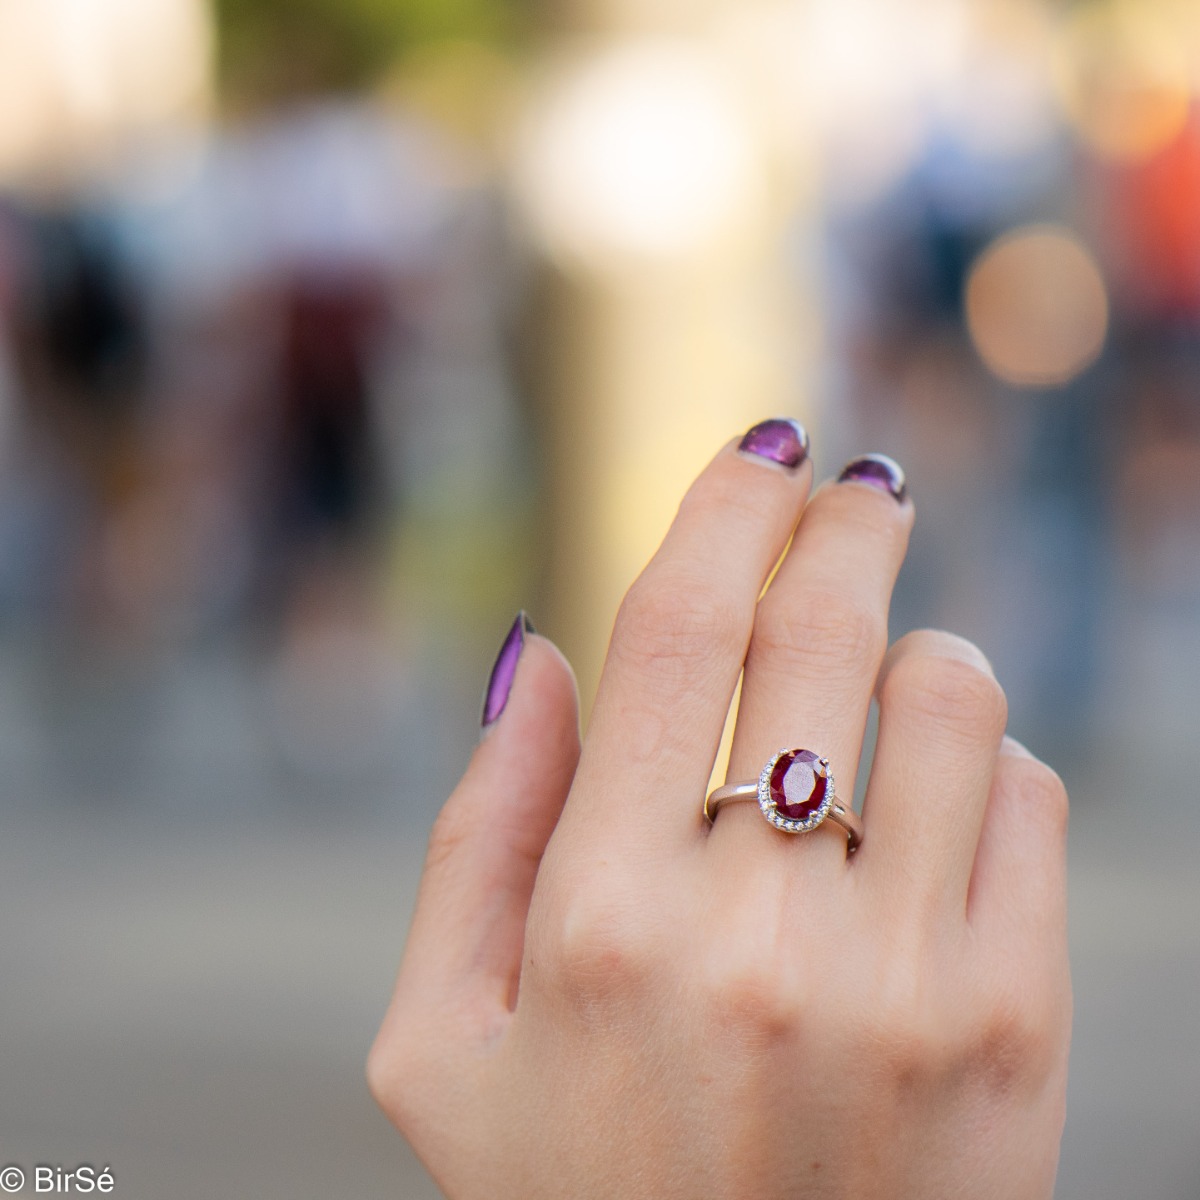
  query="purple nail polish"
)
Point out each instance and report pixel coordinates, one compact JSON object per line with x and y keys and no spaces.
{"x":505,"y":670}
{"x":879,"y":471}
{"x":780,"y":440}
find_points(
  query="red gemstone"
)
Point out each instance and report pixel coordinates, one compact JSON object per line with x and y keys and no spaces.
{"x":798,"y":784}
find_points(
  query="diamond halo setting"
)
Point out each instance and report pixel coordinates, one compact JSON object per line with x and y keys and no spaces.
{"x":796,"y":790}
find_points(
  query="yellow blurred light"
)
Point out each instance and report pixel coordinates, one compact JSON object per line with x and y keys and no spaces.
{"x":466,"y":88}
{"x":1037,"y":307}
{"x":1183,"y":19}
{"x":643,"y":152}
{"x":1126,"y":79}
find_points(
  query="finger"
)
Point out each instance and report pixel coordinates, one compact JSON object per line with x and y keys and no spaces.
{"x":820,"y":634}
{"x":941,"y":717}
{"x":464,"y":949}
{"x":1018,"y":888}
{"x":680,"y":637}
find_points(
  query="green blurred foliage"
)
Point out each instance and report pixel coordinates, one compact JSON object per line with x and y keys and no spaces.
{"x":277,"y":49}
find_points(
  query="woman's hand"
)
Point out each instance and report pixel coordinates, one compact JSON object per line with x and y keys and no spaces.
{"x":603,"y":996}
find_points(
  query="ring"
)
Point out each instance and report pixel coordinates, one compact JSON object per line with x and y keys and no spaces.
{"x":795,"y":792}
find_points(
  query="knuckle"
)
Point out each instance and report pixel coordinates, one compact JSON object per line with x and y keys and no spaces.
{"x":451,"y":831}
{"x":827,"y":626}
{"x":672,"y":622}
{"x":750,"y":1003}
{"x":597,"y":952}
{"x":397,"y":1072}
{"x":753,"y":995}
{"x":907,"y":1055}
{"x":1017,"y":1040}
{"x":727,"y":498}
{"x":859,"y":517}
{"x":1001,"y":1034}
{"x":948,"y":693}
{"x":1044,"y":794}
{"x":382,"y":1076}
{"x":901,"y":1030}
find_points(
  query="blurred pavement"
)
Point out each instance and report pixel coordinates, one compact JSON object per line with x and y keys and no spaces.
{"x":189,"y":1000}
{"x":194,"y":1009}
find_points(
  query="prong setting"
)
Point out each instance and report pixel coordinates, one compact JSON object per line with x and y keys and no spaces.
{"x":768,"y":800}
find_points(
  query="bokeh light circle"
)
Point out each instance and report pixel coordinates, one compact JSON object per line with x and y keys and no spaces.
{"x":1037,"y":306}
{"x":1124,"y":73}
{"x":640,"y":153}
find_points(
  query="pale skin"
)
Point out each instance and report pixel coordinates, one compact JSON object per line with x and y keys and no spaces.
{"x":603,"y":996}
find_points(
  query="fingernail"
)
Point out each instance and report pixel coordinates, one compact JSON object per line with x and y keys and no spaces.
{"x":504,"y":672}
{"x":779,"y":440}
{"x":879,"y":471}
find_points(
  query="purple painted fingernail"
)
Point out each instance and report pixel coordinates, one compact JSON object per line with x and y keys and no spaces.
{"x":505,"y":670}
{"x":879,"y":471}
{"x":780,"y":440}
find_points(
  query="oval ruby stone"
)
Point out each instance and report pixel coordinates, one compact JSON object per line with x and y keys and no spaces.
{"x":798,"y":785}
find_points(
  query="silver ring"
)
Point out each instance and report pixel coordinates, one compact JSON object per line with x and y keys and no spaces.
{"x":796,"y":793}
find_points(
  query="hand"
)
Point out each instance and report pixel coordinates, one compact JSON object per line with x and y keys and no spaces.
{"x":603,"y":996}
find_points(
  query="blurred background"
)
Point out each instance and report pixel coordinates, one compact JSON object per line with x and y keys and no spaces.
{"x":333,"y":331}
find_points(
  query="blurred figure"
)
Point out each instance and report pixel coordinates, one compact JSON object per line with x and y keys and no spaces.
{"x":83,"y":329}
{"x":331,"y":474}
{"x":82,"y":351}
{"x":332,"y":506}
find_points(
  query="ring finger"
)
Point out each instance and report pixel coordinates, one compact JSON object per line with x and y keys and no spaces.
{"x":819,"y":637}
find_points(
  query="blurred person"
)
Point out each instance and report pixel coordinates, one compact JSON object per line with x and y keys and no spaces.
{"x":9,"y":255}
{"x":985,"y":447}
{"x":320,"y":471}
{"x":613,"y":987}
{"x":80,"y":334}
{"x":330,"y":486}
{"x":334,"y":662}
{"x":84,"y":333}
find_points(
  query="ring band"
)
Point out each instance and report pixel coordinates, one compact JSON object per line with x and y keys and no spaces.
{"x":796,"y":793}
